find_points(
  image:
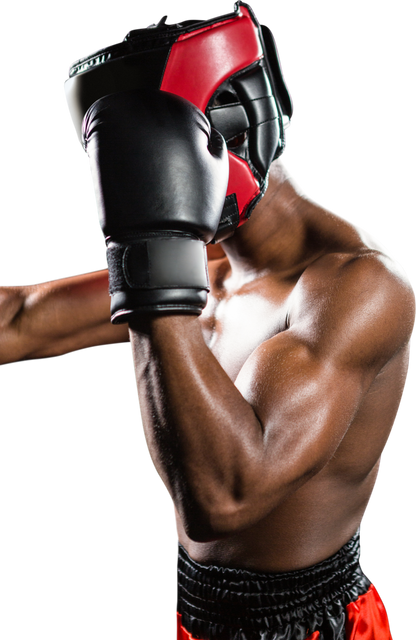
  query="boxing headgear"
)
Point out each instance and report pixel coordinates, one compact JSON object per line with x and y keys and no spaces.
{"x":228,"y":67}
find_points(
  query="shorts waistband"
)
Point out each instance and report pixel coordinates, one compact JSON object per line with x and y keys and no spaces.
{"x":236,"y":597}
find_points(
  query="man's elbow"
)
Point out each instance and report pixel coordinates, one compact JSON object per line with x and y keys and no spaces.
{"x":218,"y":514}
{"x":203,"y":526}
{"x":220,"y":518}
{"x":216,"y":506}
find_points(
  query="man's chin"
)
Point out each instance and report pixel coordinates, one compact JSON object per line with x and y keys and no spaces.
{"x":215,"y":251}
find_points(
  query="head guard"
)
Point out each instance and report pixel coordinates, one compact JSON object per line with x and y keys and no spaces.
{"x":228,"y":67}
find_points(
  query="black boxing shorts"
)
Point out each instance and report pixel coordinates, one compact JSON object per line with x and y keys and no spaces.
{"x":332,"y":600}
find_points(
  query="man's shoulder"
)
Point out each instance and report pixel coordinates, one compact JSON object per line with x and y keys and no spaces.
{"x":359,"y":270}
{"x":360,"y":296}
{"x":350,"y":256}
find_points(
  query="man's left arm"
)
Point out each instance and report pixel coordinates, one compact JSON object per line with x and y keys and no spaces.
{"x":229,"y":453}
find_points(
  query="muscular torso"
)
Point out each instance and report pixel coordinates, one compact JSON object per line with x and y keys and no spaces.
{"x":322,"y":515}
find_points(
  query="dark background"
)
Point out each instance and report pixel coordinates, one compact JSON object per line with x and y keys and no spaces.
{"x":88,"y":543}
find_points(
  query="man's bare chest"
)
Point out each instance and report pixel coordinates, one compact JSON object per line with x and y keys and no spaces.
{"x":235,"y":324}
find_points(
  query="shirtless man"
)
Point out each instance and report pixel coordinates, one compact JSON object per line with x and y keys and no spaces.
{"x":274,"y":407}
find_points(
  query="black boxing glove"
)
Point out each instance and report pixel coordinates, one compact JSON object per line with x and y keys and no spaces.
{"x":160,"y":175}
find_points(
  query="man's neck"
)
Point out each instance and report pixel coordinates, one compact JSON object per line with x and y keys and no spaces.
{"x":274,"y":237}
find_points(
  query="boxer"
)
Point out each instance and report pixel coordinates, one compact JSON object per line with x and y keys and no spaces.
{"x":267,"y":405}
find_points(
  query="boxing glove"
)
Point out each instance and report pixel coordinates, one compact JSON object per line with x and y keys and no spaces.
{"x":160,"y":175}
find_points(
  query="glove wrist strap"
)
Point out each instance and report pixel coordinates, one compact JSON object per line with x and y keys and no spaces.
{"x":157,"y":274}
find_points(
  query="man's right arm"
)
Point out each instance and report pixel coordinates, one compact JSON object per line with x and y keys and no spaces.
{"x":57,"y":317}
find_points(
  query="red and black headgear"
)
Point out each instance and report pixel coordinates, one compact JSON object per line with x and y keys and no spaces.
{"x":228,"y":67}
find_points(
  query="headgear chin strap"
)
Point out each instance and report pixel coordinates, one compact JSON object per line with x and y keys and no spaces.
{"x":228,"y":67}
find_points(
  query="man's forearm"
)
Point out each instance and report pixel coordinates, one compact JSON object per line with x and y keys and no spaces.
{"x":200,"y":430}
{"x":56,"y":317}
